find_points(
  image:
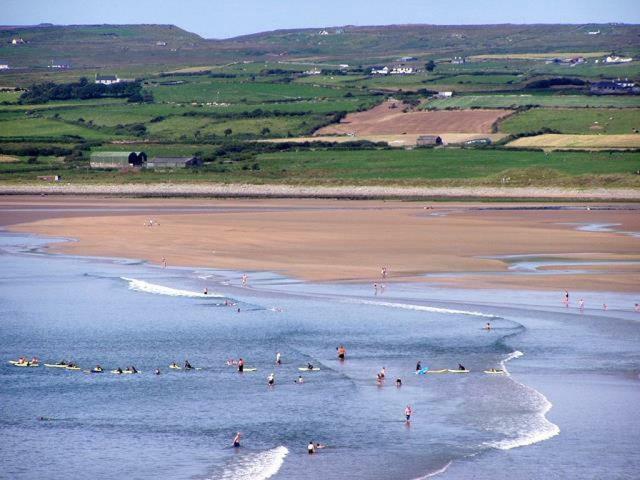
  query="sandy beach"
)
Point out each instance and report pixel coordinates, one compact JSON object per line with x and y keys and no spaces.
{"x":338,"y":240}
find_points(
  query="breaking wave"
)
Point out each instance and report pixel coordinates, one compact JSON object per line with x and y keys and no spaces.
{"x":424,"y":308}
{"x":436,"y":472}
{"x":537,"y":428}
{"x":142,"y":286}
{"x":256,"y":467}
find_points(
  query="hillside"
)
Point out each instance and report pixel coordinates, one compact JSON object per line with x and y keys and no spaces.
{"x":95,"y":46}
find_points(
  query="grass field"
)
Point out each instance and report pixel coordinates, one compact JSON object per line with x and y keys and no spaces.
{"x":388,"y":167}
{"x":582,"y":121}
{"x":9,"y":96}
{"x":204,"y":89}
{"x":586,"y":142}
{"x":516,"y":100}
{"x":42,"y":127}
{"x":539,"y":56}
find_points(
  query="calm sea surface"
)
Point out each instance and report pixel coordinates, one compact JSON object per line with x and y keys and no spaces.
{"x":570,"y":407}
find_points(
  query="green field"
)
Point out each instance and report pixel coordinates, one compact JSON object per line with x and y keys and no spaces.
{"x":386,"y":167}
{"x":563,"y":120}
{"x":519,"y":100}
{"x":29,"y":128}
{"x":204,"y":89}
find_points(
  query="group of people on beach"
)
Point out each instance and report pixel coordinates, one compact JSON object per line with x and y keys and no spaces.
{"x":581,"y":303}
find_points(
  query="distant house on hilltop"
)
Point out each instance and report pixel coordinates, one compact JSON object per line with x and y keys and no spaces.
{"x":458,"y":60}
{"x":174,"y":162}
{"x":107,"y":79}
{"x":614,"y":87}
{"x":117,"y":159}
{"x":379,"y":70}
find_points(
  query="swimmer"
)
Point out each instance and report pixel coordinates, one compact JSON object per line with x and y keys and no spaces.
{"x":245,"y":278}
{"x":566,"y":298}
{"x":157,"y":372}
{"x":300,"y":379}
{"x":407,"y":413}
{"x":319,"y":446}
{"x":398,"y":382}
{"x":236,"y":440}
{"x":487,"y":326}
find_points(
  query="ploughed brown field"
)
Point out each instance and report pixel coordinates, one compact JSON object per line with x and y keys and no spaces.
{"x":389,"y":118}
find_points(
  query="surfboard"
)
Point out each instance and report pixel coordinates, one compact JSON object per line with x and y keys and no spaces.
{"x":305,"y":369}
{"x":458,"y":371}
{"x":438,"y":371}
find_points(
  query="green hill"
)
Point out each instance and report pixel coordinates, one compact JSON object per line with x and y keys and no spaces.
{"x":108,"y":46}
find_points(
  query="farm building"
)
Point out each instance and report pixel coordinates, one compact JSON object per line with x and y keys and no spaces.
{"x":107,"y":79}
{"x":117,"y":159}
{"x":614,"y":88}
{"x":174,"y":162}
{"x":428,"y":140}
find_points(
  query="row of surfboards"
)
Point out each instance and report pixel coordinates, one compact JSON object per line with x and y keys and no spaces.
{"x":448,"y":370}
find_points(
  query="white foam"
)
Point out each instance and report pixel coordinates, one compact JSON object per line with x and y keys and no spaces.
{"x":436,"y":472}
{"x":539,"y":428}
{"x":256,"y":467}
{"x":424,"y":308}
{"x":142,"y":286}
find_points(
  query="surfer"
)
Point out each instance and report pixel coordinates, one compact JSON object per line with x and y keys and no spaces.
{"x":278,"y":359}
{"x":300,"y":379}
{"x":319,"y":446}
{"x":342,"y":352}
{"x":398,"y":382}
{"x":311,"y":448}
{"x":271,"y":379}
{"x":461,"y":367}
{"x":408,"y":412}
{"x":418,"y":366}
{"x":383,"y":373}
{"x":119,"y":371}
{"x":309,"y":366}
{"x":174,"y":365}
{"x":236,"y":440}
{"x":206,"y":292}
{"x":157,"y":372}
{"x":240,"y":365}
{"x":187,"y":365}
{"x":98,"y":369}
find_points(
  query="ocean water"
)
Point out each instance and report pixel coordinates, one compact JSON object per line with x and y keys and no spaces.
{"x":567,"y":409}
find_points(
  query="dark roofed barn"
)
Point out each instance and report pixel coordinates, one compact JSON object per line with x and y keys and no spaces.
{"x":174,"y":162}
{"x":428,"y":140}
{"x":117,"y":159}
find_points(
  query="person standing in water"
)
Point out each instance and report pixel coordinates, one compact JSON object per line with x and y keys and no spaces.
{"x":581,"y":304}
{"x":407,"y":413}
{"x":206,"y":292}
{"x":487,"y":326}
{"x":245,"y":277}
{"x":271,"y":379}
{"x":342,"y":352}
{"x":311,"y":448}
{"x":236,"y":440}
{"x":566,"y":298}
{"x":418,"y":366}
{"x":278,"y":359}
{"x":240,"y":365}
{"x":398,"y":382}
{"x":164,"y":262}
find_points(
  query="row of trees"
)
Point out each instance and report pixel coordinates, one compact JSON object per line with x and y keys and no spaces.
{"x":83,"y":89}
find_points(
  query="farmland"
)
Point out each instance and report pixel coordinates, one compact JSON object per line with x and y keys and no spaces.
{"x":258,"y":117}
{"x":582,"y":121}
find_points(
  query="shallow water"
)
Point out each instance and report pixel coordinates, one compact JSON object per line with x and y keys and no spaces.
{"x":180,"y":424}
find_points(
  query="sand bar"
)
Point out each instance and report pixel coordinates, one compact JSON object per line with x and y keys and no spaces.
{"x":338,"y":240}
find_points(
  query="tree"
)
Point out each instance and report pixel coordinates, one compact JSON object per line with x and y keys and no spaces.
{"x":430,"y":66}
{"x":265,"y":131}
{"x":228,"y":132}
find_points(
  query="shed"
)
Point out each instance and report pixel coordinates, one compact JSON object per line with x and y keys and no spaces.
{"x":174,"y":162}
{"x":428,"y":140}
{"x":117,"y":159}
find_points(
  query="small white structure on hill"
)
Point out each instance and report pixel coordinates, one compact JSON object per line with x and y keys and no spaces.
{"x":597,"y":32}
{"x":445,"y":94}
{"x":4,"y":66}
{"x":617,"y":59}
{"x":380,"y":71}
{"x":458,"y":60}
{"x":313,"y":71}
{"x":107,"y":79}
{"x":401,"y":70}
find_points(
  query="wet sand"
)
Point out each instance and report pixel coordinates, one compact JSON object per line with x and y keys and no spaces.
{"x":341,"y":240}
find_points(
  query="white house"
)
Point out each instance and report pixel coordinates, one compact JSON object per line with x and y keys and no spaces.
{"x":597,"y":32}
{"x":445,"y":94}
{"x":313,"y":71}
{"x":616,"y":59}
{"x":107,"y":79}
{"x":401,"y":70}
{"x":458,"y":60}
{"x":380,"y":71}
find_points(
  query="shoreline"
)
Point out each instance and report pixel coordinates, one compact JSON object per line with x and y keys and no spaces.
{"x":454,"y":245}
{"x":356,"y":192}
